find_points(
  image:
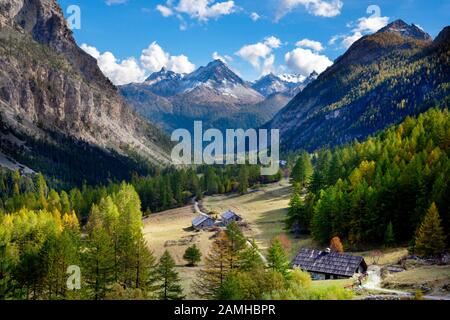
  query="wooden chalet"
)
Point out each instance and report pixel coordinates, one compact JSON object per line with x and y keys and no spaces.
{"x":202,"y":221}
{"x":229,"y":216}
{"x":329,"y":265}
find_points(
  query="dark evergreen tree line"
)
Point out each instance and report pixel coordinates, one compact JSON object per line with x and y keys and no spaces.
{"x":164,"y":190}
{"x":379,"y":190}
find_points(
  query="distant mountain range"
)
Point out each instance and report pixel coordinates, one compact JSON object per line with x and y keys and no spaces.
{"x":381,"y":79}
{"x":286,"y":84}
{"x":214,"y":94}
{"x":58,"y":113}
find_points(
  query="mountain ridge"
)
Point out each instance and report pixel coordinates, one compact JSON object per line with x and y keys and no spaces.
{"x":50,"y":87}
{"x":376,"y":83}
{"x":214,"y":94}
{"x":209,"y":93}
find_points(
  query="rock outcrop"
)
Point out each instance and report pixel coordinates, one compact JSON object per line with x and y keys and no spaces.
{"x":48,"y":84}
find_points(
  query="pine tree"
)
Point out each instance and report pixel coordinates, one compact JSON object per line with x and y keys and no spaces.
{"x":169,"y":288}
{"x":98,"y":257}
{"x":144,"y":267}
{"x":243,"y":179}
{"x":298,"y":216}
{"x":250,"y":258}
{"x":16,"y":183}
{"x":303,"y":169}
{"x":317,"y":182}
{"x":389,"y":238}
{"x":212,"y":187}
{"x":217,"y":266}
{"x":129,"y":232}
{"x":236,"y":242}
{"x":430,"y":238}
{"x":277,"y":258}
{"x":192,"y":255}
{"x":53,"y":201}
{"x":42,"y":188}
{"x":65,"y":202}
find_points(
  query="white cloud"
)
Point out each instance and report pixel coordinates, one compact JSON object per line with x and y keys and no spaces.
{"x":333,"y":40}
{"x":129,"y":70}
{"x":268,"y":65}
{"x":254,"y":16}
{"x":202,"y":10}
{"x":348,"y":40}
{"x":306,"y":43}
{"x":165,"y":11}
{"x":364,"y":26}
{"x":259,"y":55}
{"x":92,"y":51}
{"x":321,"y":8}
{"x":371,"y":24}
{"x":224,"y":59}
{"x":154,"y":58}
{"x":180,"y":64}
{"x":253,"y":53}
{"x":272,"y":42}
{"x":119,"y":72}
{"x":305,"y":61}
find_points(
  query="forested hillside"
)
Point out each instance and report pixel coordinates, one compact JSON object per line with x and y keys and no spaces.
{"x":163,"y":190}
{"x":99,"y":229}
{"x":381,"y":79}
{"x":360,"y":191}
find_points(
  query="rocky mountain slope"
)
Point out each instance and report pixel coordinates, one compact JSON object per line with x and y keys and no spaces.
{"x":213,"y":94}
{"x":288,"y":85}
{"x":381,"y":79}
{"x":56,"y":101}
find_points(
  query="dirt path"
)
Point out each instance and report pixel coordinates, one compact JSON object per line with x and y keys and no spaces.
{"x":373,"y":283}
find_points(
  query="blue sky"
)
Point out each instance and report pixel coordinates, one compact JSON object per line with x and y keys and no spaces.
{"x":254,"y":37}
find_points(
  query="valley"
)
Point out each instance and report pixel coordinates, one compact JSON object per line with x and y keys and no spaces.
{"x":264,"y":213}
{"x":213,"y":94}
{"x":357,"y":209}
{"x":263,"y":209}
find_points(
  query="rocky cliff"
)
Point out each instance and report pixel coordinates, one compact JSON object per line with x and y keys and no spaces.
{"x":49,"y":85}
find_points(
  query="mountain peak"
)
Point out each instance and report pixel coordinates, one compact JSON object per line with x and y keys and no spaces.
{"x":216,"y":63}
{"x":216,"y":71}
{"x":269,"y":76}
{"x":313,"y":74}
{"x":443,"y":38}
{"x":403,"y":29}
{"x":161,"y":75}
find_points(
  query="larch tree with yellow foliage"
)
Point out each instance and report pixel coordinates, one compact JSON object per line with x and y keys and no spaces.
{"x":430,"y":238}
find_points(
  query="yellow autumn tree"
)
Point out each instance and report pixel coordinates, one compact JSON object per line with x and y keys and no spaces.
{"x":217,"y":267}
{"x":430,"y":238}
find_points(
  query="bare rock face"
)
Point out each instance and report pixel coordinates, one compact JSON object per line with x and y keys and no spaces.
{"x":48,"y":83}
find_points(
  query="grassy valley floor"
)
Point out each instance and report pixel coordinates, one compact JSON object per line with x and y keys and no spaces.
{"x":264,"y":210}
